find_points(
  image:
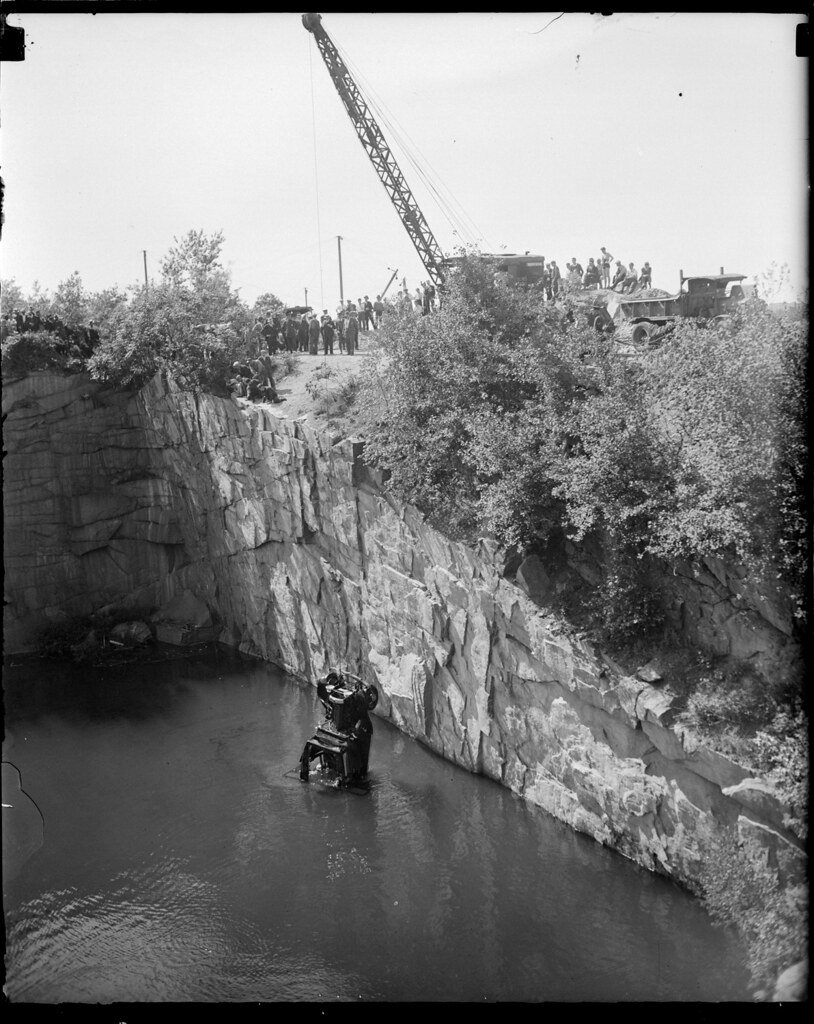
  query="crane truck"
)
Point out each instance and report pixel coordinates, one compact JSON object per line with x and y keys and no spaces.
{"x":704,"y":297}
{"x":517,"y":267}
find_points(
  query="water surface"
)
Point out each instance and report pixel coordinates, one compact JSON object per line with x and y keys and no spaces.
{"x":179,"y":862}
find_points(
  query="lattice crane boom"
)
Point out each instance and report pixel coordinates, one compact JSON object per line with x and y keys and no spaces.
{"x":377,"y":149}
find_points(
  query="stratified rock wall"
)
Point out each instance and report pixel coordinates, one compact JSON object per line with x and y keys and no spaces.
{"x":308,"y":562}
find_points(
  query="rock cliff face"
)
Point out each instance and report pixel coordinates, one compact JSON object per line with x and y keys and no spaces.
{"x":307,"y":561}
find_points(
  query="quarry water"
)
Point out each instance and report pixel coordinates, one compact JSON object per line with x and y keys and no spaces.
{"x":178,"y":862}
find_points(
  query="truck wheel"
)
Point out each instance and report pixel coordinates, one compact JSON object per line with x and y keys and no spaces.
{"x":599,"y":324}
{"x":372,"y":697}
{"x":641,"y":333}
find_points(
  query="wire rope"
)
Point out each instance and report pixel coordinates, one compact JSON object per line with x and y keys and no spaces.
{"x":447,"y":203}
{"x":316,"y":175}
{"x":453,"y":212}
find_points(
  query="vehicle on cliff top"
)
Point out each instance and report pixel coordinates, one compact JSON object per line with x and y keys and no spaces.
{"x":712,"y":297}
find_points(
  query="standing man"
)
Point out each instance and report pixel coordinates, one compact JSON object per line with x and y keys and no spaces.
{"x":340,"y":327}
{"x":290,"y":333}
{"x":351,"y":334}
{"x":605,"y":264}
{"x":378,"y":310}
{"x":556,"y":277}
{"x":302,"y":333}
{"x":269,"y":338}
{"x":369,"y":314}
{"x":313,"y":336}
{"x":327,"y":336}
{"x":646,"y":278}
{"x":258,"y":341}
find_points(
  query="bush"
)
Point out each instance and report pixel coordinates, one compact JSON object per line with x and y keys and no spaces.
{"x":41,"y":350}
{"x":192,"y":326}
{"x":771,"y":920}
{"x":506,"y":415}
{"x":782,"y":753}
{"x":624,"y":606}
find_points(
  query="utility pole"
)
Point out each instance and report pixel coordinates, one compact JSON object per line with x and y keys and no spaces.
{"x":146,"y":283}
{"x":339,"y":248}
{"x":392,"y":277}
{"x":306,"y":296}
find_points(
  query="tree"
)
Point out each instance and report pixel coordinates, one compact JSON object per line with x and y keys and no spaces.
{"x":266,"y":305}
{"x":193,"y":259}
{"x":11,"y":296}
{"x":192,"y":325}
{"x":70,"y":301}
{"x":105,"y":306}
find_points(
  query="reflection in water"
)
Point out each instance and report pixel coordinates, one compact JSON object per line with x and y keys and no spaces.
{"x":181,"y":863}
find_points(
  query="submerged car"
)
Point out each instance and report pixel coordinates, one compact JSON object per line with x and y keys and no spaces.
{"x":341,"y":744}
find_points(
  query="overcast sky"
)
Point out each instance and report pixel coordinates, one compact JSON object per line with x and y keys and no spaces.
{"x":674,"y":138}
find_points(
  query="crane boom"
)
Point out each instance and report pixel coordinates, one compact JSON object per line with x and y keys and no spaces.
{"x":379,"y":152}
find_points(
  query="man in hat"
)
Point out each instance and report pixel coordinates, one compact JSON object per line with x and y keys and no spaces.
{"x":351,"y":334}
{"x":313,"y":336}
{"x":302,"y":333}
{"x":327,"y":335}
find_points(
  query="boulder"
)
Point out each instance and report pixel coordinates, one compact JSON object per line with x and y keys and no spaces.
{"x":651,"y":673}
{"x":534,"y":580}
{"x":186,"y":608}
{"x":792,"y":985}
{"x":131,"y":633}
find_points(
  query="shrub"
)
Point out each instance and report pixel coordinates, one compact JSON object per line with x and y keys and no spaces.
{"x":41,"y":350}
{"x":782,"y":752}
{"x":624,"y":606}
{"x":505,"y":415}
{"x":770,"y":919}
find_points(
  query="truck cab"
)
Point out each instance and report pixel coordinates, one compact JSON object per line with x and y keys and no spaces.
{"x":708,"y":297}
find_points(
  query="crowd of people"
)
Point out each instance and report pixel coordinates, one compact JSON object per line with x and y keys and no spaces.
{"x":79,"y":340}
{"x":600,"y":272}
{"x":302,"y":330}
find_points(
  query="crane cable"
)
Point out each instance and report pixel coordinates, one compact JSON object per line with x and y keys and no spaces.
{"x":411,"y":153}
{"x":316,"y":177}
{"x":446,"y":204}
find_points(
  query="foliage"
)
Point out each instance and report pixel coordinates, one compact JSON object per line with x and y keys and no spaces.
{"x":70,"y":301}
{"x":284,"y":363}
{"x":624,"y":606}
{"x":37,"y":350}
{"x":728,"y":409}
{"x":782,"y":753}
{"x":193,"y":260}
{"x":266,"y":305}
{"x":506,"y":415}
{"x":105,"y":307}
{"x":770,"y":919}
{"x":11,"y":296}
{"x":191,"y":326}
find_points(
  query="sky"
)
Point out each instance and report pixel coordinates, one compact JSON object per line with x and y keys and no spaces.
{"x":680,"y":139}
